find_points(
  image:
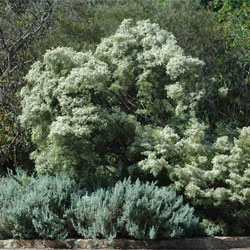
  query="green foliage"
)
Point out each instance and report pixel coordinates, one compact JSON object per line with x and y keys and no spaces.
{"x":223,"y":5}
{"x":214,"y":227}
{"x":233,"y":66}
{"x":140,"y":211}
{"x":81,"y":24}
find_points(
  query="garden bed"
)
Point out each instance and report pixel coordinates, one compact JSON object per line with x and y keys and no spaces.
{"x":194,"y":243}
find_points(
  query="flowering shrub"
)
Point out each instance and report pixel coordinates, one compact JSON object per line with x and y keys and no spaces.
{"x":84,"y":108}
{"x":65,"y":103}
{"x":211,"y":175}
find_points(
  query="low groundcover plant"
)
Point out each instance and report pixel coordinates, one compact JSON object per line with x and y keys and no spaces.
{"x":56,"y":207}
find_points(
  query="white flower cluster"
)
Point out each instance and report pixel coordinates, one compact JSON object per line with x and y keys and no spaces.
{"x":148,"y":58}
{"x":207,"y":173}
{"x":60,"y":104}
{"x":84,"y":108}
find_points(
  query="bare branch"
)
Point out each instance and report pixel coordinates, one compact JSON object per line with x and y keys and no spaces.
{"x":16,"y":33}
{"x":3,"y":40}
{"x":34,"y":27}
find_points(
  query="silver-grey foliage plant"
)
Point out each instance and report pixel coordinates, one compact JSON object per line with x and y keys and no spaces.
{"x":36,"y":207}
{"x":56,"y":207}
{"x":134,"y":210}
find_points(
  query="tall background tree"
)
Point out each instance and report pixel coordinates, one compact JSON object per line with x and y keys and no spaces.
{"x":21,"y":22}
